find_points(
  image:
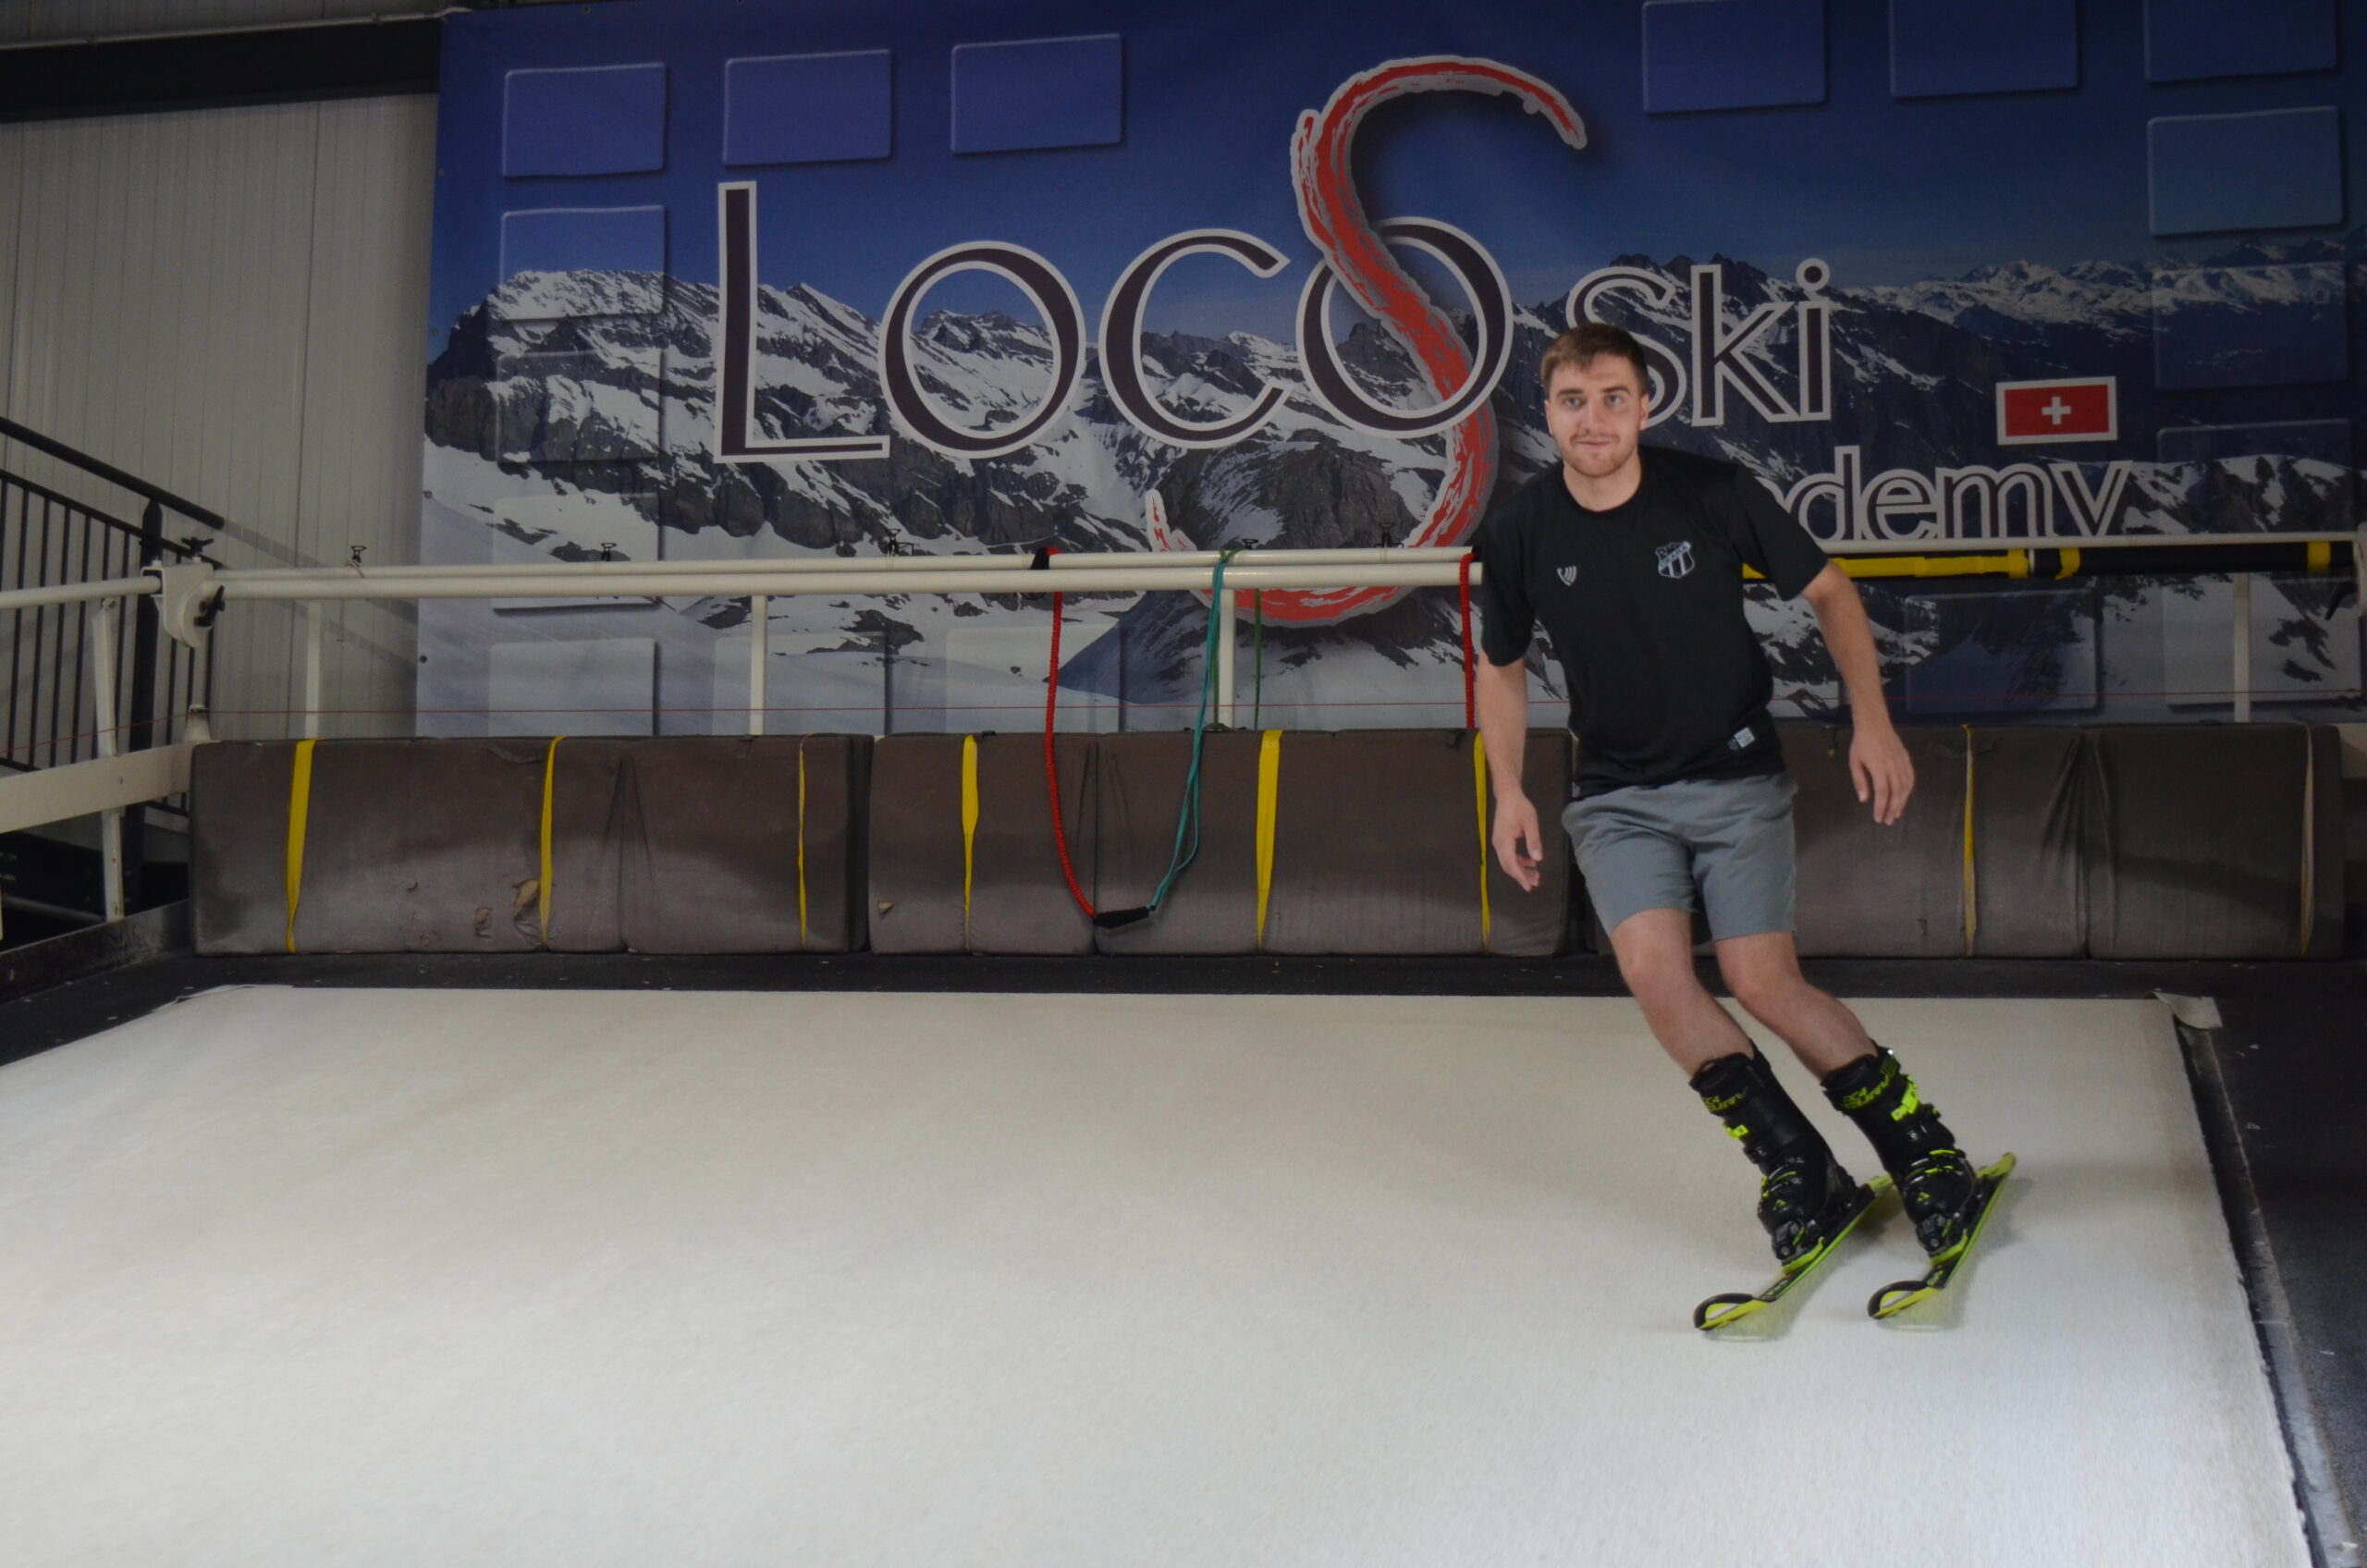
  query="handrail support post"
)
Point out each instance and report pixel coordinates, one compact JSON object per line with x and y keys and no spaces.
{"x":1228,"y":626}
{"x":2241,"y":628}
{"x":106,"y":627}
{"x":312,"y":661}
{"x":760,"y":613}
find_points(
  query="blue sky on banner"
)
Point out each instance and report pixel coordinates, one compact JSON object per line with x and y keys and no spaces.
{"x":1887,"y":187}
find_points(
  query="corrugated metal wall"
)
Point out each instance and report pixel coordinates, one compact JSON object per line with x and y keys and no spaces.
{"x":229,"y":303}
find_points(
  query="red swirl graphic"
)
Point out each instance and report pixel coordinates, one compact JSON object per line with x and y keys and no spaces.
{"x":1334,"y":219}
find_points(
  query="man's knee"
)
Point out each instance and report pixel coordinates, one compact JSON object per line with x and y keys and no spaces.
{"x":1655,"y":953}
{"x":1765,"y":979}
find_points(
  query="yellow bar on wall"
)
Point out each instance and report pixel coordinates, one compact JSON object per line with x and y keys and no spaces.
{"x":543,"y":888}
{"x":969,"y":825}
{"x":1270,"y":778}
{"x":800,"y":843}
{"x":300,"y":809}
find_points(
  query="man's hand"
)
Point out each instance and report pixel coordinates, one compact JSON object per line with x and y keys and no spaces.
{"x":1520,"y":848}
{"x":1877,"y":757}
{"x":1878,"y":762}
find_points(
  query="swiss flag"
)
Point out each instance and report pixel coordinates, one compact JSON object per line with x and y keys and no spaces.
{"x":2085,"y":409}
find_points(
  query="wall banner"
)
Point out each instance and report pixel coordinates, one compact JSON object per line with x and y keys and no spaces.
{"x":724,"y":280}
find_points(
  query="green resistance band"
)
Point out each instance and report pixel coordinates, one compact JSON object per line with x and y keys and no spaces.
{"x":1187,"y":816}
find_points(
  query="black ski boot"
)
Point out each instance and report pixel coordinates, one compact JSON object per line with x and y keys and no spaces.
{"x":1805,"y":1197}
{"x":1936,"y":1182}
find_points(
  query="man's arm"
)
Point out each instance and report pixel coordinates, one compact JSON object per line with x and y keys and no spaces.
{"x":1877,"y":758}
{"x":1503,"y":693}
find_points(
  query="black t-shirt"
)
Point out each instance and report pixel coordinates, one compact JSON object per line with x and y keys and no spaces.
{"x":1644,"y":606}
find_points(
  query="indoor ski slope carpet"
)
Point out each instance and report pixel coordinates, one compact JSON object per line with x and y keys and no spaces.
{"x":450,"y":1278}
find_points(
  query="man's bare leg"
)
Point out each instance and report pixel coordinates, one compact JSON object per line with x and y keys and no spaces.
{"x":1655,"y":952}
{"x":1803,"y":1193}
{"x":1933,"y":1173}
{"x":1764,"y":973}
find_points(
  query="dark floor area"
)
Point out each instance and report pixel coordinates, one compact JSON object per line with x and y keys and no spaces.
{"x":2294,"y":1073}
{"x":2288,"y":1070}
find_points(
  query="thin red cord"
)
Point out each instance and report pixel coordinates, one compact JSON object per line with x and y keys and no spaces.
{"x":1051,"y":767}
{"x":1470,"y":675}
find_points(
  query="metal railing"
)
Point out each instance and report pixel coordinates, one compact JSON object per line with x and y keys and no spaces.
{"x":50,"y":540}
{"x":182,"y":597}
{"x":85,"y":678}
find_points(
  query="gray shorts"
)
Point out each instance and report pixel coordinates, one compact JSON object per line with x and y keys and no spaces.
{"x":1653,"y":845}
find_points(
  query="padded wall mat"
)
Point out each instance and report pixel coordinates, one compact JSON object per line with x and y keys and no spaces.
{"x":2211,"y":840}
{"x":675,"y":845}
{"x":1907,"y":890}
{"x":994,"y":886}
{"x":1866,"y":890}
{"x":1379,"y":848}
{"x":2029,"y":887}
{"x":708,"y":844}
{"x":407,"y":846}
{"x":1139,"y":786}
{"x":238,"y":846}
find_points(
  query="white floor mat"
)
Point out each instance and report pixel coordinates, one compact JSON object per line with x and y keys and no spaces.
{"x":447,"y":1278}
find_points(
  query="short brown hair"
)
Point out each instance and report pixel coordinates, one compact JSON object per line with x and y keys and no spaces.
{"x":1582,"y":345}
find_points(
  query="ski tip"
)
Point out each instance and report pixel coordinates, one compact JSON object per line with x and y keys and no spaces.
{"x":1719,"y":1311}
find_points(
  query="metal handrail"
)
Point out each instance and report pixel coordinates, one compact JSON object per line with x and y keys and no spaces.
{"x":116,"y":476}
{"x":187,"y":595}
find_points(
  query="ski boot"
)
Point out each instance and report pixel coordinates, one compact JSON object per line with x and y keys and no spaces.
{"x":1806,"y":1199}
{"x":1937,"y":1185}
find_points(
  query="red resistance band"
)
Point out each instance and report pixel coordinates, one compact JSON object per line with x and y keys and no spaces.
{"x":1470,"y":674}
{"x":1051,"y":767}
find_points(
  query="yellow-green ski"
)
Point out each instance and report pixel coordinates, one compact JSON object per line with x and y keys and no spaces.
{"x":1892,"y":1300}
{"x":1719,"y":1311}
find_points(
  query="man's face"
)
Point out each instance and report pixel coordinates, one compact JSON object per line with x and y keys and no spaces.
{"x":1595,"y":412}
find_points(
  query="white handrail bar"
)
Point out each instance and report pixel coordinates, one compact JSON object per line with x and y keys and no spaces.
{"x":1087,"y":560}
{"x":76,"y":592}
{"x":1144,"y":571}
{"x":726,"y":584}
{"x":987,"y":565}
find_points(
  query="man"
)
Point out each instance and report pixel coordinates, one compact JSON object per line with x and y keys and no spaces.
{"x":1632,"y":557}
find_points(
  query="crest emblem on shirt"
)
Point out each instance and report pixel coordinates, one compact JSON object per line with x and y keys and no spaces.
{"x":1568,"y":574}
{"x":1674,"y":558}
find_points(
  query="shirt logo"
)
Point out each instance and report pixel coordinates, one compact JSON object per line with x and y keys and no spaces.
{"x":1675,"y":559}
{"x":1568,"y":574}
{"x":1741,"y":739}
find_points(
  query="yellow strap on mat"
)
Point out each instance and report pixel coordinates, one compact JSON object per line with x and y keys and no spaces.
{"x":1971,"y":886}
{"x":969,"y":825}
{"x":1479,"y":778}
{"x":1270,"y":778}
{"x":543,"y":886}
{"x":300,"y":809}
{"x":2321,"y":555}
{"x":800,"y":843}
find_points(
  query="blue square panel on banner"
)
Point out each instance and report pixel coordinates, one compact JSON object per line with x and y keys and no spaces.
{"x":1945,"y":46}
{"x":1985,"y":656}
{"x":2190,"y":39}
{"x":1039,"y":92}
{"x":2250,"y":326}
{"x":1732,"y":54}
{"x":808,"y":108}
{"x":600,"y":119}
{"x":2307,"y":462}
{"x":582,"y":262}
{"x":2213,"y":173}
